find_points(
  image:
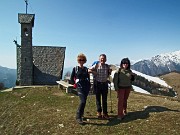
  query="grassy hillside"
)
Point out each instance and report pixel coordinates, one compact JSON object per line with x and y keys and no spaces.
{"x":47,"y":110}
{"x":173,"y":79}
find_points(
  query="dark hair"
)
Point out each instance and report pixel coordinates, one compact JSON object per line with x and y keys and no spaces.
{"x":104,"y":55}
{"x":125,"y":61}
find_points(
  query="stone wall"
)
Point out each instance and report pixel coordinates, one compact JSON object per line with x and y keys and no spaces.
{"x":26,"y":64}
{"x":18,"y":60}
{"x":48,"y":64}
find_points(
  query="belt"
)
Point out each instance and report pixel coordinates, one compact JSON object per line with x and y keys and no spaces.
{"x":102,"y":82}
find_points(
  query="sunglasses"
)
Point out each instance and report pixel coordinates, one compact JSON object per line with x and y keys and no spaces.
{"x":125,"y":63}
{"x":81,"y":60}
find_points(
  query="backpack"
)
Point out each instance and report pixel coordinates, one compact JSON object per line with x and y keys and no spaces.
{"x":95,"y":62}
{"x":76,"y":71}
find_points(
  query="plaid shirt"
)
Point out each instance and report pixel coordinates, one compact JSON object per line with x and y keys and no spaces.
{"x":102,"y":72}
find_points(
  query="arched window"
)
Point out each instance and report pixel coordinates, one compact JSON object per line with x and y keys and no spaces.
{"x":26,"y":32}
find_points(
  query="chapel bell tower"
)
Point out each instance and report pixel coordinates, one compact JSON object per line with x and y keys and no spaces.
{"x":26,"y":55}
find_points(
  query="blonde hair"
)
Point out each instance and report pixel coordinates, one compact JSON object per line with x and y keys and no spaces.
{"x":81,"y":56}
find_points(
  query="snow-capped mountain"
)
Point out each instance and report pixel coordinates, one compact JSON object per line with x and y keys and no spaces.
{"x":159,"y":64}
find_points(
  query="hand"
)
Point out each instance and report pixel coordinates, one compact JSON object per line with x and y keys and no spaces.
{"x":108,"y":82}
{"x":94,"y":73}
{"x":110,"y":70}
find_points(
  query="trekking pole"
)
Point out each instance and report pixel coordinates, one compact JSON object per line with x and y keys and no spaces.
{"x":90,"y":94}
{"x":110,"y":98}
{"x":110,"y":88}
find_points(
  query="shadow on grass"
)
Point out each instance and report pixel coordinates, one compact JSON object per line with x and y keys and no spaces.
{"x":134,"y":116}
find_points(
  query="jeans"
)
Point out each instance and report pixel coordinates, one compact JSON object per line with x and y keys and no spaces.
{"x":101,"y":91}
{"x":83,"y":88}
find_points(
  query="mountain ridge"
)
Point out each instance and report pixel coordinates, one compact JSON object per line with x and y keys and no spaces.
{"x":7,"y":76}
{"x":159,"y":64}
{"x":155,"y":66}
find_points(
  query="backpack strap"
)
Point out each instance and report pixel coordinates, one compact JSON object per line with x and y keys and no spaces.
{"x":86,"y":69}
{"x":108,"y":68}
{"x":96,"y":66}
{"x":76,"y":70}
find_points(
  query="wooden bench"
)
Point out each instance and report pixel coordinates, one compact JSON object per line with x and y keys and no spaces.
{"x":65,"y":85}
{"x":69,"y":87}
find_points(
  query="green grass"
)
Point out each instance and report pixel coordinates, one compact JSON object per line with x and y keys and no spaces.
{"x":47,"y":110}
{"x":173,"y":80}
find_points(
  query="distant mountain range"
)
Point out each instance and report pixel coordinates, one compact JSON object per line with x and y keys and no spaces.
{"x":159,"y":64}
{"x":7,"y":77}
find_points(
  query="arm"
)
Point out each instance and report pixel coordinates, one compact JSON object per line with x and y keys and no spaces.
{"x":115,"y":81}
{"x":88,"y":73}
{"x":92,"y":70}
{"x":72,"y":76}
{"x":109,"y":69}
{"x":132,"y":76}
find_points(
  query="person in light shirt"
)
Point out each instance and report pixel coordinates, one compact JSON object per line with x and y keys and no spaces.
{"x":101,"y":71}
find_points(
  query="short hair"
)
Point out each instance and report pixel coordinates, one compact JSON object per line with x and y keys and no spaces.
{"x":104,"y":55}
{"x":125,"y":60}
{"x":81,"y":56}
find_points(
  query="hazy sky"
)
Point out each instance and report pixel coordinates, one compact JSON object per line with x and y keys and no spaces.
{"x":138,"y":29}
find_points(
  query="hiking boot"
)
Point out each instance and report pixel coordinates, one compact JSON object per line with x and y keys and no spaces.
{"x":80,"y":121}
{"x":120,"y":118}
{"x":99,"y":115}
{"x":105,"y":116}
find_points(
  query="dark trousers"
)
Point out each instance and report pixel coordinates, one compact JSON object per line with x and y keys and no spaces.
{"x":101,"y":91}
{"x":83,"y":88}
